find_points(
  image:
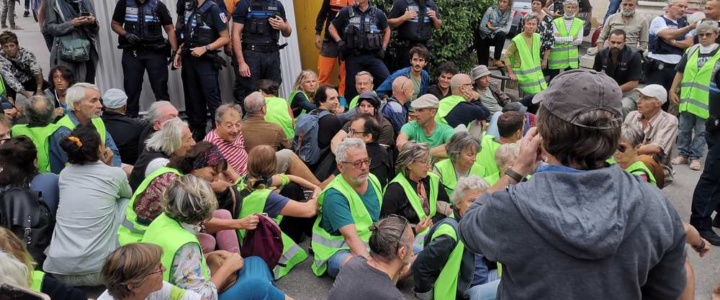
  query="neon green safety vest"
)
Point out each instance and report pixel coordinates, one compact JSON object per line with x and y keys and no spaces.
{"x":254,"y":203}
{"x":639,"y":168}
{"x":130,"y":231}
{"x":695,"y":85}
{"x":99,"y":126}
{"x":170,"y":236}
{"x":446,"y":105}
{"x":325,"y":244}
{"x":529,"y":74}
{"x":416,"y":204}
{"x":354,"y":102}
{"x":277,"y":112}
{"x":448,"y":177}
{"x":486,"y":158}
{"x":565,"y":55}
{"x":2,"y":87}
{"x":40,"y":137}
{"x":37,"y":280}
{"x":447,"y":281}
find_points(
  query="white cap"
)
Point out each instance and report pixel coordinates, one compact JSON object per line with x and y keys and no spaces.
{"x":114,"y":98}
{"x":654,"y":91}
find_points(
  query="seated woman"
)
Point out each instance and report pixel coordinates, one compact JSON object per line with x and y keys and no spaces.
{"x":462,"y":150}
{"x":626,"y":156}
{"x":301,"y":99}
{"x":205,"y":161}
{"x":135,"y":271}
{"x":188,"y":203}
{"x":40,"y":283}
{"x":60,"y":79}
{"x":506,"y":155}
{"x":415,"y":193}
{"x":93,"y":196}
{"x":258,"y":197}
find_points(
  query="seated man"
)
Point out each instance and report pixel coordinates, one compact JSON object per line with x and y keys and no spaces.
{"x":660,"y":127}
{"x":419,"y":57}
{"x":157,"y":114}
{"x":635,"y":26}
{"x":84,"y":106}
{"x":424,"y":129}
{"x":256,"y":131}
{"x":20,"y":69}
{"x":510,"y":128}
{"x":368,"y":104}
{"x":624,"y":64}
{"x":278,"y":110}
{"x":227,"y":136}
{"x":463,"y":107}
{"x":512,"y":106}
{"x":445,"y":72}
{"x":125,"y":130}
{"x":391,"y":255}
{"x":348,"y":206}
{"x":40,"y":129}
{"x":491,"y":96}
{"x":395,"y":109}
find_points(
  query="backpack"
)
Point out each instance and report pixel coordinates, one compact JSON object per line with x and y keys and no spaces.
{"x":305,"y":143}
{"x":29,"y":218}
{"x":265,"y":241}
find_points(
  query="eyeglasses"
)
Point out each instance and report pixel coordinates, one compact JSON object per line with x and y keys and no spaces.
{"x":353,"y":132}
{"x":405,"y":224}
{"x":704,"y":35}
{"x":162,"y":269}
{"x":358,"y":164}
{"x":428,"y":162}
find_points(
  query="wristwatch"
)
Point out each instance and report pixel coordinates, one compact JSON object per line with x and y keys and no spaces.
{"x":514,"y":175}
{"x":207,"y":47}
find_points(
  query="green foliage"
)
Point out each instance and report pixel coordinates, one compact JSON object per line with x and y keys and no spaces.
{"x":450,"y":43}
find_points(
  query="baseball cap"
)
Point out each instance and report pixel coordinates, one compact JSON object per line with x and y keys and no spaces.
{"x":371,"y":98}
{"x":425,"y":101}
{"x":654,"y":91}
{"x":515,"y":106}
{"x":114,"y":98}
{"x":575,"y":92}
{"x":479,"y":71}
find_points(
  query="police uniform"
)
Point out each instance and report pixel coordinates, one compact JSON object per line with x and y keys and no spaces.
{"x":259,"y":43}
{"x":329,"y":50}
{"x":145,"y":20}
{"x":663,"y":57}
{"x":201,"y":26}
{"x":362,"y":33}
{"x":416,"y":31}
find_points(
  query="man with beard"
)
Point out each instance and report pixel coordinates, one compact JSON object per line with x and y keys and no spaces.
{"x":419,"y":57}
{"x":635,"y":27}
{"x":622,"y":63}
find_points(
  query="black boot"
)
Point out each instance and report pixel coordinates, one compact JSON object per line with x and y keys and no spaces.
{"x":716,"y":221}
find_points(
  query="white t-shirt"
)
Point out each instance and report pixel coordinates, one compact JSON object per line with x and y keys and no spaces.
{"x":656,"y":26}
{"x":168,"y":292}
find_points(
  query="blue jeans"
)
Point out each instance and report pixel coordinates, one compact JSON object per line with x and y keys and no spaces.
{"x":335,"y":263}
{"x":486,"y":291}
{"x":688,"y":146}
{"x":612,"y":8}
{"x":255,"y":282}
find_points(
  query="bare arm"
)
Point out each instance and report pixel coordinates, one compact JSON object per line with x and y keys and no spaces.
{"x":300,"y":209}
{"x":629,"y":86}
{"x":172,"y":38}
{"x":386,"y":37}
{"x":357,"y":247}
{"x":649,"y":149}
{"x":334,"y":33}
{"x":237,"y":42}
{"x":671,"y":34}
{"x":675,"y":87}
{"x":439,"y":151}
{"x":117,"y":28}
{"x":337,"y":139}
{"x":401,"y":140}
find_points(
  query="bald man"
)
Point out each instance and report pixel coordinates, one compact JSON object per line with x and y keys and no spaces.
{"x":396,"y":109}
{"x":463,"y":106}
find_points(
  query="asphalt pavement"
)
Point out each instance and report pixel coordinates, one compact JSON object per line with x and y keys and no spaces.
{"x":301,"y":283}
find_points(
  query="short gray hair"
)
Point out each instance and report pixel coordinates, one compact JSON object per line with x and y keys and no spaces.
{"x":346,"y":145}
{"x":569,"y":2}
{"x":40,"y":111}
{"x":506,"y":153}
{"x":13,"y":271}
{"x":153,"y":112}
{"x":77,"y":93}
{"x":465,"y":184}
{"x":364,"y":73}
{"x":169,"y":138}
{"x":189,"y":200}
{"x":223,"y":109}
{"x":531,"y":16}
{"x":706,"y":26}
{"x":410,"y":153}
{"x":633,"y":134}
{"x":459,"y":142}
{"x":254,"y":103}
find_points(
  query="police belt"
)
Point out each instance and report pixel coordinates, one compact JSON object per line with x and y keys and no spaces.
{"x":261,"y":48}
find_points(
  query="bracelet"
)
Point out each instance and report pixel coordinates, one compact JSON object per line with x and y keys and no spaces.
{"x":701,"y":246}
{"x":207,"y":47}
{"x":514,"y":175}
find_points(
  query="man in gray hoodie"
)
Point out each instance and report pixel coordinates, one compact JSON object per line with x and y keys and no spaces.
{"x":578,"y":229}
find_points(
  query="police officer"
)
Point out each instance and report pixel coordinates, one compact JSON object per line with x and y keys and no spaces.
{"x":364,"y":39}
{"x":139,"y":25}
{"x":203,"y":31}
{"x":327,"y":46}
{"x":257,"y":25}
{"x":668,"y":40}
{"x":415,"y":21}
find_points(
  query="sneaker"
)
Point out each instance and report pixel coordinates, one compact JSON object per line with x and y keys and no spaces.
{"x":695,"y":165}
{"x":711,"y":237}
{"x":26,"y":14}
{"x":679,"y":160}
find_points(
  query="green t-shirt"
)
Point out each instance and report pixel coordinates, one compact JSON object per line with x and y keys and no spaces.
{"x":336,"y":209}
{"x":439,"y":136}
{"x":416,"y":86}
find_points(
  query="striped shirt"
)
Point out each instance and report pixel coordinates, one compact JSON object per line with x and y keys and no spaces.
{"x":234,"y":152}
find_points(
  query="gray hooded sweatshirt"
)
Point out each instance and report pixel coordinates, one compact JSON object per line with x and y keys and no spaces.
{"x":568,"y":234}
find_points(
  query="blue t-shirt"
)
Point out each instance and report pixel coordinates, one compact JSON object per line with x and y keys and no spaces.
{"x":274,"y":204}
{"x":336,"y":209}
